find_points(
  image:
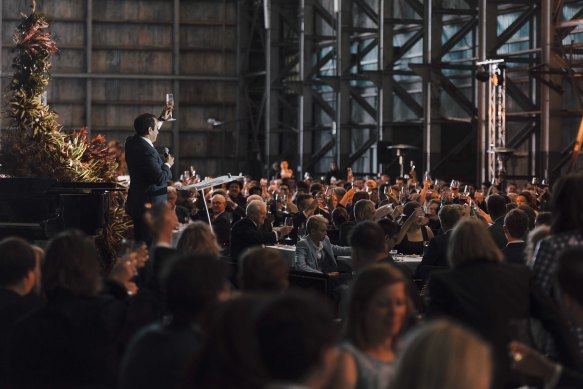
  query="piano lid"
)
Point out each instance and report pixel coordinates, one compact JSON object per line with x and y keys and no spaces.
{"x":31,"y":186}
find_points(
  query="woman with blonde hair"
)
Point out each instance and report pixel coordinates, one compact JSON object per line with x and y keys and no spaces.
{"x":379,"y":308}
{"x":443,"y":355}
{"x":198,"y":238}
{"x":492,"y":297}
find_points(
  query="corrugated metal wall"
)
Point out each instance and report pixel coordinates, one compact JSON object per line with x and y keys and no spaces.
{"x":118,"y":59}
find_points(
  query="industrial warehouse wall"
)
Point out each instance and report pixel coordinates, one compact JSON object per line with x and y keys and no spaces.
{"x":118,"y":59}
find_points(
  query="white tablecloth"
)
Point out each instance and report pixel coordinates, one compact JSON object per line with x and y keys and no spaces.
{"x":408,"y":262}
{"x":289,"y":253}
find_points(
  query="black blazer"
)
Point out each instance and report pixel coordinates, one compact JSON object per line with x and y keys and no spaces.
{"x":69,"y":343}
{"x":12,"y":308}
{"x":148,"y":175}
{"x":435,"y":257}
{"x":345,"y":229}
{"x":496,"y":300}
{"x":245,"y":234}
{"x":497,"y":232}
{"x":514,"y":253}
{"x":222,"y":229}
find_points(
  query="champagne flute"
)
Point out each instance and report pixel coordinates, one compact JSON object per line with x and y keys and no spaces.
{"x":170,"y":105}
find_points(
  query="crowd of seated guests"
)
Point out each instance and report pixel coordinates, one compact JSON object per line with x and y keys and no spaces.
{"x":174,"y":315}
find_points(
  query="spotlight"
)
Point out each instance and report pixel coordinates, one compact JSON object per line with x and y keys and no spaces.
{"x":483,"y":74}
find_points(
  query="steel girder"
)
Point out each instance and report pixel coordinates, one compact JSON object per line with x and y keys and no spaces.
{"x":361,"y":71}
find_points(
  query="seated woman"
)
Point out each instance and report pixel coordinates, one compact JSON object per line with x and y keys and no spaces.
{"x":443,"y":355}
{"x":418,"y":233}
{"x":493,"y":298}
{"x":379,"y":307}
{"x":198,"y":239}
{"x":315,"y":253}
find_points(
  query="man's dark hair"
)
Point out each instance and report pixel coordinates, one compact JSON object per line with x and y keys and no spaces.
{"x":496,"y":206}
{"x":543,"y":218}
{"x":302,"y":187}
{"x":316,"y":187}
{"x":511,"y":206}
{"x":449,"y":215}
{"x":263,"y":269}
{"x":293,"y":331}
{"x":390,"y":228}
{"x":192,"y":283}
{"x":16,"y":260}
{"x":516,"y":223}
{"x":360,"y":196}
{"x":570,"y":273}
{"x":143,"y":123}
{"x":340,"y":216}
{"x":255,"y":190}
{"x":530,"y":213}
{"x":239,"y":184}
{"x":369,"y":236}
{"x":301,"y":200}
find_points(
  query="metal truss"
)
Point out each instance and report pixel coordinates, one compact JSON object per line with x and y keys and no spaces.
{"x":343,"y":75}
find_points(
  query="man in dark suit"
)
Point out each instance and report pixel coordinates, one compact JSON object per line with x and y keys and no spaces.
{"x":221,"y":221}
{"x":164,"y":221}
{"x":497,"y":210}
{"x":236,"y":201}
{"x":149,"y":173}
{"x":245,"y":233}
{"x":435,"y":258}
{"x":306,"y":207}
{"x":515,"y":228}
{"x":18,"y":278}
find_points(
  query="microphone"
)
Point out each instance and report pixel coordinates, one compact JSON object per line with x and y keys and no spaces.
{"x":166,"y":152}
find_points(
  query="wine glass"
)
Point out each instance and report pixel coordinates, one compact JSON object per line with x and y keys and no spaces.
{"x":170,"y":105}
{"x":288,"y":221}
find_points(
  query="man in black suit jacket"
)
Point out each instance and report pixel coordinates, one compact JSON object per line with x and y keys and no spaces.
{"x":245,"y":232}
{"x":221,"y":221}
{"x":497,"y":210}
{"x":149,"y":173}
{"x":18,"y":277}
{"x":306,"y":207}
{"x":515,"y":228}
{"x":435,"y":258}
{"x":164,"y":221}
{"x":496,"y":300}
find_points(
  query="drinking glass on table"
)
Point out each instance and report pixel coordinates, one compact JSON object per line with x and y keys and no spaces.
{"x":288,"y":221}
{"x":170,"y":105}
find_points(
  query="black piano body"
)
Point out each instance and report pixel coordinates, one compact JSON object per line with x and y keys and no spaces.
{"x":39,"y":208}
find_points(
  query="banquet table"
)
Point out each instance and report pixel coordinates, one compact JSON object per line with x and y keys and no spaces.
{"x":289,"y":253}
{"x":408,"y":263}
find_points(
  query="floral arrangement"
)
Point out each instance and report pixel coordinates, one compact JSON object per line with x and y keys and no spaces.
{"x":35,"y":144}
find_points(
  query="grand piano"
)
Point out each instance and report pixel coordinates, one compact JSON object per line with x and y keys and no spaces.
{"x":38,"y":208}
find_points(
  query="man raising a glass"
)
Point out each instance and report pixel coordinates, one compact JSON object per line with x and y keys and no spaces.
{"x":149,"y":172}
